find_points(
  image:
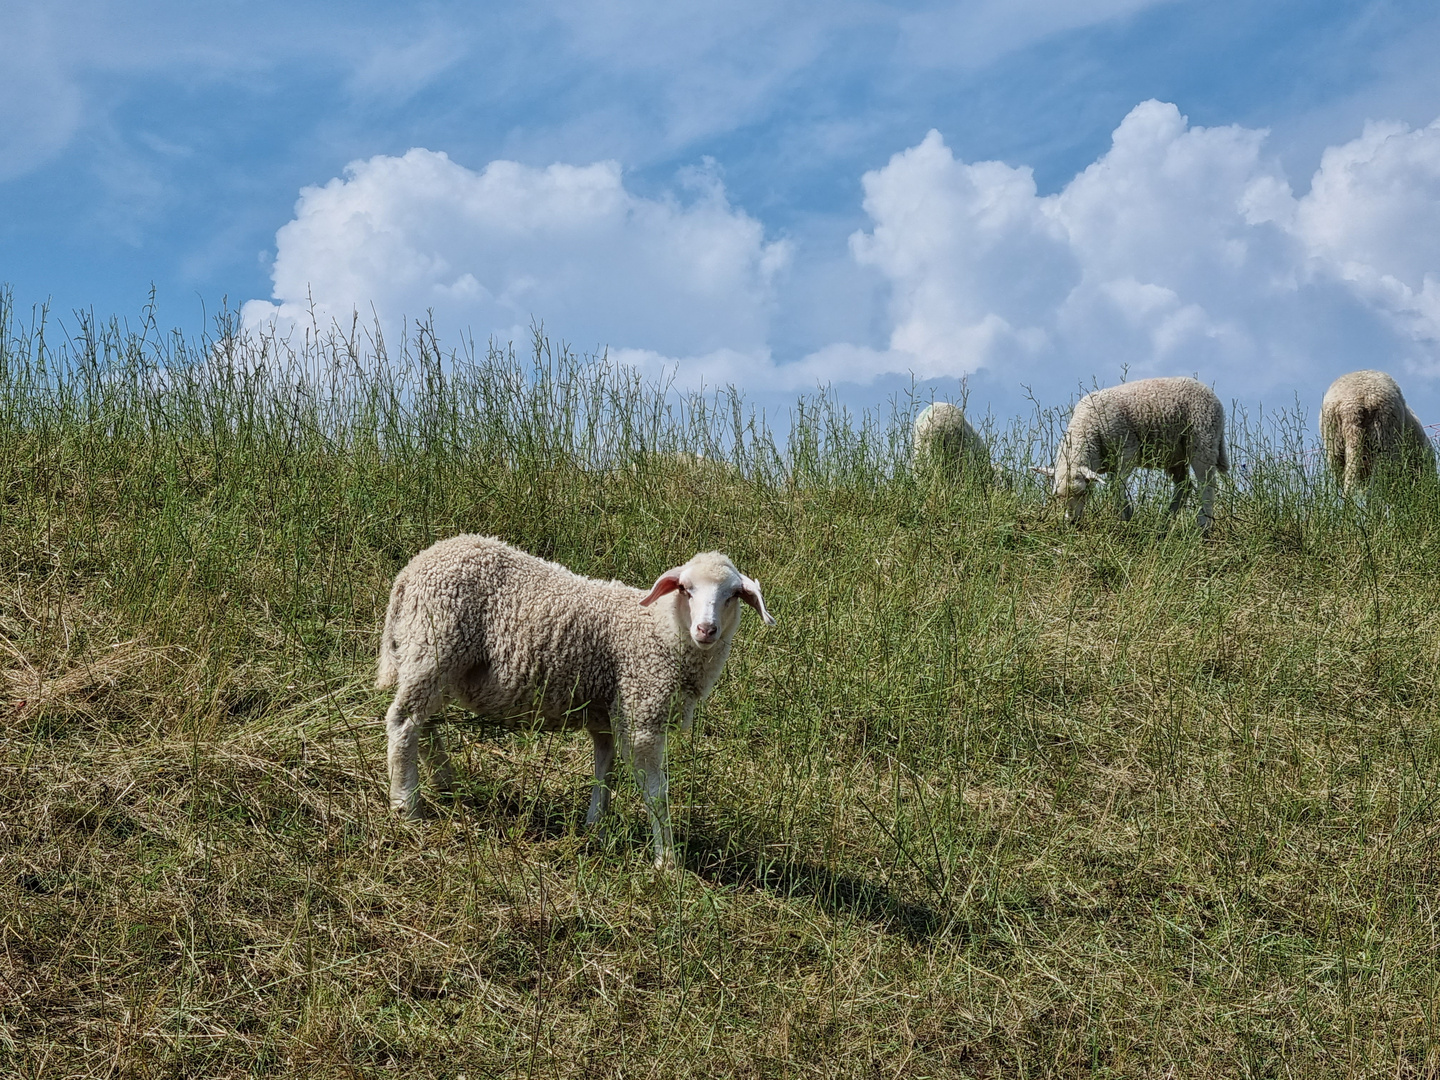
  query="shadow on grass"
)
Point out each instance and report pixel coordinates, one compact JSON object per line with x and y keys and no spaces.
{"x":539,"y":819}
{"x":722,"y":857}
{"x":726,"y":857}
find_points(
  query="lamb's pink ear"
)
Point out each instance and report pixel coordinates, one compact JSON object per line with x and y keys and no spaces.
{"x":667,"y":582}
{"x":750,"y":593}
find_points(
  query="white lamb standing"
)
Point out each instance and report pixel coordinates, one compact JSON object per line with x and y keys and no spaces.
{"x":944,"y":440}
{"x":524,"y":641}
{"x":1176,"y":424}
{"x":1366,"y":426}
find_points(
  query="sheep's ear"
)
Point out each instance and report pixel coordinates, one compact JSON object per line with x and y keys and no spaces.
{"x":667,"y":582}
{"x":1091,"y":475}
{"x":750,"y":593}
{"x":1044,"y":470}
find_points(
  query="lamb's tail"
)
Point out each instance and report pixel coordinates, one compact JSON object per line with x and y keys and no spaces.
{"x":388,"y":669}
{"x":1357,"y":432}
{"x":1222,"y":460}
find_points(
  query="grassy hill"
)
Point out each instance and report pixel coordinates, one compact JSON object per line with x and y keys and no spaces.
{"x":994,"y":798}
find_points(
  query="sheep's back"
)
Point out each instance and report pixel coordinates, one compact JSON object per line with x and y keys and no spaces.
{"x":1164,"y":415}
{"x":514,"y":630}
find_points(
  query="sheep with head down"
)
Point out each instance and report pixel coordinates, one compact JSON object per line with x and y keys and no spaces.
{"x":527,"y":642}
{"x":1176,"y":424}
{"x":944,"y":441}
{"x":1369,"y":431}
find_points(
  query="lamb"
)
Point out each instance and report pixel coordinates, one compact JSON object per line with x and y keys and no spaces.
{"x":1175,"y":424}
{"x":944,"y":440}
{"x":1367,"y":428}
{"x":525,"y":641}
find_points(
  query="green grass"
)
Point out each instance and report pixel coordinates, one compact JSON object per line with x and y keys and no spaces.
{"x":993,"y":798}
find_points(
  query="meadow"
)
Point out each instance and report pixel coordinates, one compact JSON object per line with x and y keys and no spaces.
{"x":994,"y":798}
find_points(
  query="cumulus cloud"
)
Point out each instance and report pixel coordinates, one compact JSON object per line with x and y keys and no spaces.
{"x":1181,"y":249}
{"x":1372,"y":218}
{"x":498,"y":248}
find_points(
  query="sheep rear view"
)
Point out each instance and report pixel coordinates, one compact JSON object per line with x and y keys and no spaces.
{"x":1176,"y":424}
{"x":526,"y":642}
{"x":943,"y":441}
{"x":1369,"y":431}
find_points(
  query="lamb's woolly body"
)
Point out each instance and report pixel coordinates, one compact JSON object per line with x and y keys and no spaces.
{"x":1364,"y":421}
{"x":1176,"y":424}
{"x":944,"y":439}
{"x":497,"y":627}
{"x":521,"y":640}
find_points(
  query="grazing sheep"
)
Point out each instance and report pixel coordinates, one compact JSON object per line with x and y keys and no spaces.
{"x":524,"y":641}
{"x":1175,"y":424}
{"x":945,"y":441}
{"x":1367,"y":428}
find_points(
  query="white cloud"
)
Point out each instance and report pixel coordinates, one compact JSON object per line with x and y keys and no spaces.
{"x":1372,"y":217}
{"x":1181,"y":249}
{"x":494,"y":249}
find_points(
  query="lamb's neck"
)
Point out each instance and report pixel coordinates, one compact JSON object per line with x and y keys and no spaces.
{"x":700,"y":668}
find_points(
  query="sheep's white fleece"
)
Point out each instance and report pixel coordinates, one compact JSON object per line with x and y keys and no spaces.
{"x":944,"y":439}
{"x":1364,"y":421}
{"x":525,"y":641}
{"x":1176,"y":424}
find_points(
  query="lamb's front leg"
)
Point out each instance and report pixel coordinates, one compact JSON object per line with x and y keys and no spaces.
{"x":645,"y":753}
{"x":604,"y":772}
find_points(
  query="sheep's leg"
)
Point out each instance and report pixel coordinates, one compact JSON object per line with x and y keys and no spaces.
{"x":436,"y":758}
{"x":604,"y":772}
{"x":405,"y":726}
{"x":402,"y":757}
{"x":646,"y":758}
{"x":1180,"y":477}
{"x":1124,"y":467}
{"x":1206,"y":473}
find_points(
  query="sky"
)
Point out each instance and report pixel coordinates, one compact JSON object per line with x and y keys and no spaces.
{"x":1001,"y":200}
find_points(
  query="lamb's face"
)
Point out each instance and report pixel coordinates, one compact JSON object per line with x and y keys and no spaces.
{"x":709,"y":592}
{"x":711,"y":605}
{"x":1071,"y":483}
{"x":1074,"y":492}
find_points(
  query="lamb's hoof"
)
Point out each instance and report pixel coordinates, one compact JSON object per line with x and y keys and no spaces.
{"x":411,"y":810}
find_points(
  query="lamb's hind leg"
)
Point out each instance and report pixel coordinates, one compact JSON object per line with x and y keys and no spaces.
{"x":1205,"y":472}
{"x":1180,"y":477}
{"x":604,"y":772}
{"x":406,"y":725}
{"x":436,"y":758}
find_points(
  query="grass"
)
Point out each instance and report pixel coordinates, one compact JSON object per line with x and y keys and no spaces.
{"x":994,"y":798}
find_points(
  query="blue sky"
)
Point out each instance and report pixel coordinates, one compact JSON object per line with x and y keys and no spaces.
{"x":752,"y":192}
